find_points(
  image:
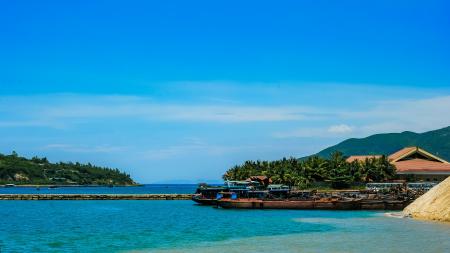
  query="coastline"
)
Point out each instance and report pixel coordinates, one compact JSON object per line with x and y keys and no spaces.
{"x":398,"y":215}
{"x":66,"y":185}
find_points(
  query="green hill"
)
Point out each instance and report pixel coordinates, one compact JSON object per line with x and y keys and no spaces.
{"x":436,"y":142}
{"x":20,"y":170}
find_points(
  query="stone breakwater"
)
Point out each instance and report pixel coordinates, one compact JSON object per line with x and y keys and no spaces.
{"x":95,"y":196}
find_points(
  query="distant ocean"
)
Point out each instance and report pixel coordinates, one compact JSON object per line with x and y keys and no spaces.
{"x":183,"y":226}
{"x":144,"y":189}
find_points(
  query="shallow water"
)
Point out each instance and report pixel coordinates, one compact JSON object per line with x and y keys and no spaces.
{"x":182,"y":226}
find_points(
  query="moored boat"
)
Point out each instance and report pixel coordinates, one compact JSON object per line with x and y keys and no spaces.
{"x":320,"y":204}
{"x":208,"y":194}
{"x":372,"y":204}
{"x":204,"y":201}
{"x":347,"y":204}
{"x":253,"y":195}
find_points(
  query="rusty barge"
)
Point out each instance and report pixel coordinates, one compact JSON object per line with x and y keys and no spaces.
{"x":321,"y":204}
{"x":249,"y":195}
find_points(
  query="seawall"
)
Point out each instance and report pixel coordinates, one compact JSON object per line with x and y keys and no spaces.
{"x":95,"y":196}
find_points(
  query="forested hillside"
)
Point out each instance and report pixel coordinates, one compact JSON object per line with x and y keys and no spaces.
{"x":436,"y":142}
{"x":20,"y":170}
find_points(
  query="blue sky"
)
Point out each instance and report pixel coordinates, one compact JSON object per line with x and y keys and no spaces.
{"x":176,"y":90}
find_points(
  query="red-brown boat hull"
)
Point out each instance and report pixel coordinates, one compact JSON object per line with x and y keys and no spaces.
{"x":204,"y":201}
{"x":354,"y":204}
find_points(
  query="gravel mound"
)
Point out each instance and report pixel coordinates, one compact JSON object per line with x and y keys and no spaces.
{"x":433,"y":205}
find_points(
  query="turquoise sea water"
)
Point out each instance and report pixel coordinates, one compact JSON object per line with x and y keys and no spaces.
{"x":182,"y":226}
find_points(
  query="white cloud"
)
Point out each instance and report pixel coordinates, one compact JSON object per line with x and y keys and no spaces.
{"x":340,"y":129}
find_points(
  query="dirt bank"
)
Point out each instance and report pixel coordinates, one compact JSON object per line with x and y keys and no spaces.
{"x":433,"y":205}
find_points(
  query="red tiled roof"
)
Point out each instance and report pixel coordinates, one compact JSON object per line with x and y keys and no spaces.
{"x":421,"y":165}
{"x":415,"y":165}
{"x":361,"y":157}
{"x":260,"y":179}
{"x":401,"y":153}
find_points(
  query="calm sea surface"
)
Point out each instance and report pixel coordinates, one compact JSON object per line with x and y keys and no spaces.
{"x":182,"y":226}
{"x":145,"y":189}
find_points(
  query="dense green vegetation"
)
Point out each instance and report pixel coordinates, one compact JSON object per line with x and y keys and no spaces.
{"x":20,"y":170}
{"x":313,"y":171}
{"x":328,"y":167}
{"x":436,"y":142}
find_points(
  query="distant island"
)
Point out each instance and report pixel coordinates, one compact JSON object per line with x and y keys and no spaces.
{"x":18,"y":170}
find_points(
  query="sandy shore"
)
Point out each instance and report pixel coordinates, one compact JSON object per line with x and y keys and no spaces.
{"x":433,"y":205}
{"x":399,"y":215}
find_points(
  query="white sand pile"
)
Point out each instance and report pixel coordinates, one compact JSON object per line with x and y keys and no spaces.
{"x":433,"y":205}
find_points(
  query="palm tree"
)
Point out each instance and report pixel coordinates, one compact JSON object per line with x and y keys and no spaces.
{"x":316,"y":168}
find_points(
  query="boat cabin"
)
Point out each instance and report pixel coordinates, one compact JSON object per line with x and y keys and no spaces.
{"x":278,"y":190}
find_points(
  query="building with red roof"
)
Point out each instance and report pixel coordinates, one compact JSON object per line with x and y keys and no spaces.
{"x":414,"y":163}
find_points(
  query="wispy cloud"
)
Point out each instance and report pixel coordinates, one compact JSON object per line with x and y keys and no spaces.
{"x":28,"y":123}
{"x":385,"y":116}
{"x":314,"y":132}
{"x":403,"y":114}
{"x":196,"y":147}
{"x":84,"y":149}
{"x":165,"y":112}
{"x":58,"y":110}
{"x":185,"y":150}
{"x":147,"y":133}
{"x":340,"y":129}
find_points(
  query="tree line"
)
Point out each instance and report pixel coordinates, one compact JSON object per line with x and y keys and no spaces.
{"x":303,"y":173}
{"x":20,"y":170}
